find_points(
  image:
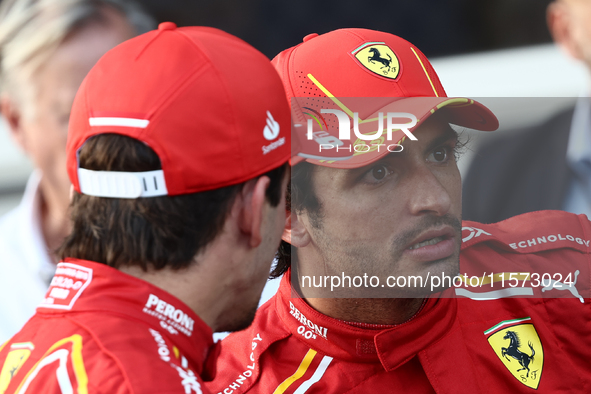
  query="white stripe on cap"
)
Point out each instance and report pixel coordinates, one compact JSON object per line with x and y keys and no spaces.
{"x":119,"y":184}
{"x":123,"y":122}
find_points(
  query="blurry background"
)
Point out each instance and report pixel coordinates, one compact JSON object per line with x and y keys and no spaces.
{"x":437,"y":27}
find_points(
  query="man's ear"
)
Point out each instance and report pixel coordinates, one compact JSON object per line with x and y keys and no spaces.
{"x":561,"y":26}
{"x":252,"y":209}
{"x":13,"y":116}
{"x":294,"y":232}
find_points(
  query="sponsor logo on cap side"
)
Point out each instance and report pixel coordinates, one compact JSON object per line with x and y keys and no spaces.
{"x":378,"y":58}
{"x":273,"y":145}
{"x":271,"y":130}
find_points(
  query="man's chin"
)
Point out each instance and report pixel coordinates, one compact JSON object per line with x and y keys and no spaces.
{"x":442,"y":275}
{"x":435,"y":277}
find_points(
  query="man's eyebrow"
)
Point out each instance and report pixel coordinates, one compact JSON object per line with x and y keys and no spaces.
{"x":448,"y":134}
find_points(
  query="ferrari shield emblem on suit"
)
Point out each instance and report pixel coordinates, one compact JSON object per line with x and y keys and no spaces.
{"x":518,"y":346}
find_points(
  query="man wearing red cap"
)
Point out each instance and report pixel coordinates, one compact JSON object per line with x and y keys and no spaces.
{"x":372,"y":299}
{"x":179,"y":166}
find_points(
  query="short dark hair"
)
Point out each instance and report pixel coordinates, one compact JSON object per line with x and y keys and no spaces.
{"x":300,"y":197}
{"x":154,"y":232}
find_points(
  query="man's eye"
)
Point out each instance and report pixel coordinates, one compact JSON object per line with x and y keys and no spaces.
{"x":439,"y":155}
{"x":377,"y":173}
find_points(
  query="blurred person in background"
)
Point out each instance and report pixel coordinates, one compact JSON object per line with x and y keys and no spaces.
{"x":47,"y":48}
{"x":546,"y":166}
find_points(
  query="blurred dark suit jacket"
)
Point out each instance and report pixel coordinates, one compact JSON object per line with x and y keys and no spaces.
{"x":518,"y":172}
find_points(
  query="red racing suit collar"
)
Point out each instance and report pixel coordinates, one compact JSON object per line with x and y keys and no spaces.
{"x":391,"y":347}
{"x":81,"y":285}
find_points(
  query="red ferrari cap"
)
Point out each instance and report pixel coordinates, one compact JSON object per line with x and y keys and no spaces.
{"x":335,"y":70}
{"x":211,"y":106}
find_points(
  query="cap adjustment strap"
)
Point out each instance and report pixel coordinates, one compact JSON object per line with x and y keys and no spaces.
{"x":119,"y":184}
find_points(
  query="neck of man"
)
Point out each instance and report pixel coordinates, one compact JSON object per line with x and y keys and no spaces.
{"x":55,"y":222}
{"x":186,"y":284}
{"x":209,"y":284}
{"x":383,"y":311}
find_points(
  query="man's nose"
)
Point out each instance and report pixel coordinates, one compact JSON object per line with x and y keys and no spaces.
{"x":428,"y":194}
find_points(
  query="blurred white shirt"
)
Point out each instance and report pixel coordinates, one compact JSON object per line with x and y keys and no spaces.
{"x":25,"y":265}
{"x":578,"y":157}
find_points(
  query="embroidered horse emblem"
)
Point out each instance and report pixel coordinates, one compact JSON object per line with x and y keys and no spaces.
{"x":378,"y":58}
{"x":524,"y":362}
{"x":513,"y":351}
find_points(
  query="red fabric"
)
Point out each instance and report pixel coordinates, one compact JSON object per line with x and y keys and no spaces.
{"x":444,"y":349}
{"x":331,"y":60}
{"x":119,"y":332}
{"x":207,"y":96}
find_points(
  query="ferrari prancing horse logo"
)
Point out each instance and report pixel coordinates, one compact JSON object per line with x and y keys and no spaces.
{"x":518,"y":346}
{"x":378,"y":58}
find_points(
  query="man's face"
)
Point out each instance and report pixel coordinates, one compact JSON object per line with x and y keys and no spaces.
{"x":250,"y":281}
{"x":43,"y":133}
{"x":399,"y":216}
{"x":570,"y":23}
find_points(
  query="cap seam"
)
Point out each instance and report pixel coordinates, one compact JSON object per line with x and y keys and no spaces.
{"x":353,"y":33}
{"x":160,"y":107}
{"x":227,"y":94}
{"x":174,"y":91}
{"x":158,"y":33}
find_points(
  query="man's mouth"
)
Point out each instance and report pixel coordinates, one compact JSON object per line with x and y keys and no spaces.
{"x":431,"y":241}
{"x":431,"y":245}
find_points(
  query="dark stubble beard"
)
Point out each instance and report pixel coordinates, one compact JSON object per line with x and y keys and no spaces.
{"x":426,"y":223}
{"x":431,"y":221}
{"x":398,"y":247}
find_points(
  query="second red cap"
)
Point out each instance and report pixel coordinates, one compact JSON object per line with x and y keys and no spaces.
{"x":362,"y":63}
{"x":211,"y":106}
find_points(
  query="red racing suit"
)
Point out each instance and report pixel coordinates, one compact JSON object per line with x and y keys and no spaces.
{"x":99,"y":330}
{"x":519,"y":339}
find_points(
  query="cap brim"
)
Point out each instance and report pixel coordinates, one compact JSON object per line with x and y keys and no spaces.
{"x":463,"y":112}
